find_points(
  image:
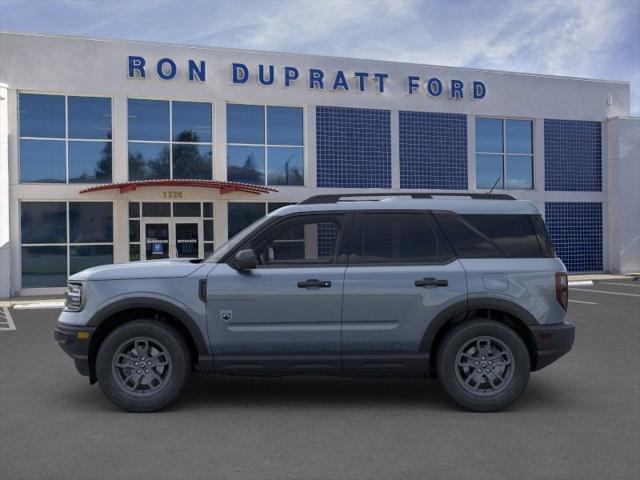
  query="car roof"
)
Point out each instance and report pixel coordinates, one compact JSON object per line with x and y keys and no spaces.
{"x":456,"y":204}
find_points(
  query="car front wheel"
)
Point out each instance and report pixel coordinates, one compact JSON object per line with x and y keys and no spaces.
{"x":143,"y":365}
{"x":483,"y":365}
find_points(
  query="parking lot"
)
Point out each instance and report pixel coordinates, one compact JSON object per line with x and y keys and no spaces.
{"x":578,"y":419}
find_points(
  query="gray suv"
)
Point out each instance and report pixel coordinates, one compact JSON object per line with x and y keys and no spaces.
{"x":465,"y":288}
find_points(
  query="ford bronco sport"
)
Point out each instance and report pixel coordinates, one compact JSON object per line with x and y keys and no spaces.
{"x":466,"y":288}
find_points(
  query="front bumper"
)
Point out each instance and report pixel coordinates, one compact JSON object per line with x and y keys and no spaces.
{"x":75,"y":343}
{"x":552,"y":342}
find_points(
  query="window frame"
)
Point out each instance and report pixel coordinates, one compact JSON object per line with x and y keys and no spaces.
{"x":66,"y":139}
{"x":266,"y":145}
{"x":355,"y":252}
{"x":67,"y":244}
{"x":504,"y":154}
{"x":170,"y":142}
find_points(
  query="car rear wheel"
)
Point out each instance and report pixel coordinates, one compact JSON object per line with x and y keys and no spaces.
{"x":483,"y":365}
{"x":143,"y":365}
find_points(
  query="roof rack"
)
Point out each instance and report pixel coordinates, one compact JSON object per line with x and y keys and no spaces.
{"x":337,"y":197}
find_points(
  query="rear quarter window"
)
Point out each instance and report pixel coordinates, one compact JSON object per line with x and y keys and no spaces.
{"x":513,"y":234}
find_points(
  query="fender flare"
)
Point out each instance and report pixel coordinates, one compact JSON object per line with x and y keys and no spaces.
{"x":172,"y":309}
{"x":463,"y":307}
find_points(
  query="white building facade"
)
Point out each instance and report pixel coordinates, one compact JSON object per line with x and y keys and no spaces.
{"x":114,"y":151}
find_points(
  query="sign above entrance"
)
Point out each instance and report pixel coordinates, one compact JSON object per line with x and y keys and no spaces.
{"x":286,"y":76}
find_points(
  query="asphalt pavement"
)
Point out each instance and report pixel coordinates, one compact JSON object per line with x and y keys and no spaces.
{"x":578,"y":419}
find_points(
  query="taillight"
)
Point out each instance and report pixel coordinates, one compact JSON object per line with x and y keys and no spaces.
{"x":562,"y":289}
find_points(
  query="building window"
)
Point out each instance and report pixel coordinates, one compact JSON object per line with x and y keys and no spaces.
{"x":65,"y":139}
{"x":504,"y":153}
{"x":265,"y":145}
{"x":170,"y":139}
{"x":59,"y":239}
{"x":353,"y":147}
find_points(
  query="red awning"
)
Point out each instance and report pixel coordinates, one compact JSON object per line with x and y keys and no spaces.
{"x":224,"y":187}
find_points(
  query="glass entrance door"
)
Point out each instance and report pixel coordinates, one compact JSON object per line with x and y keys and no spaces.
{"x":156,"y":240}
{"x":173,"y":238}
{"x":188,"y":235}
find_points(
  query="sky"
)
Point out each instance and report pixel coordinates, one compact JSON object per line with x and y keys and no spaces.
{"x":579,"y":38}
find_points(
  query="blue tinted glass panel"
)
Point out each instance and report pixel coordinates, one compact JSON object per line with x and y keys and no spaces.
{"x":208,"y":230}
{"x":186,"y":209}
{"x":572,"y":156}
{"x":242,"y":215}
{"x":488,"y":170}
{"x":353,"y":147}
{"x":192,"y":161}
{"x":208,"y":249}
{"x":284,"y":126}
{"x":576,"y":231}
{"x":134,"y":252}
{"x":148,"y":161}
{"x":207,"y":210}
{"x":519,"y":136}
{"x":191,"y":122}
{"x":286,"y":166}
{"x":245,"y":164}
{"x":44,"y":267}
{"x":245,"y":124}
{"x":90,"y":222}
{"x":41,"y":115}
{"x":89,"y":117}
{"x":134,"y":230}
{"x":89,"y":162}
{"x":148,"y":120}
{"x":42,"y":161}
{"x":156,"y":209}
{"x":87,"y":256}
{"x":519,"y":171}
{"x":433,"y":150}
{"x":489,"y":135}
{"x":43,"y":222}
{"x":134,"y":210}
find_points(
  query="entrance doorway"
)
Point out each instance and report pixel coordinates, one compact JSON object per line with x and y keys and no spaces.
{"x":172,"y":238}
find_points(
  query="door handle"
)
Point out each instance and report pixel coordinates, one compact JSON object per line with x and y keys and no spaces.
{"x":314,"y":283}
{"x":431,"y":282}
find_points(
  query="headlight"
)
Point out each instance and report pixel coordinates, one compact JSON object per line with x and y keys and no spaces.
{"x":73,"y":297}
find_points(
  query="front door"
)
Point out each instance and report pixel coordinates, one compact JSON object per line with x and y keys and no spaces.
{"x":401,"y":275}
{"x":172,"y":238}
{"x":284,"y":315}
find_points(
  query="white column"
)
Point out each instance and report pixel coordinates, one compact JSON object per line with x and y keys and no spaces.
{"x":220,"y":142}
{"x":5,"y":244}
{"x":471,"y":153}
{"x":395,"y":149}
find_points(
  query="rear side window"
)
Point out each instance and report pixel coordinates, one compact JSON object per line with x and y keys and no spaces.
{"x":401,"y":238}
{"x":544,"y":241}
{"x":513,"y":234}
{"x":467,"y":241}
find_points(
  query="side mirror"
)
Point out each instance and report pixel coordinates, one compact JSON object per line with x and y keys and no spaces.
{"x":245,"y":260}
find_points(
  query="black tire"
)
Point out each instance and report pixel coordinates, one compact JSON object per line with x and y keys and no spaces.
{"x":458,"y":364}
{"x":145,"y":392}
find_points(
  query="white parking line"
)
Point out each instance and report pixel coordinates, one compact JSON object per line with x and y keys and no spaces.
{"x":6,"y":322}
{"x":577,"y":283}
{"x":623,"y":284}
{"x":580,"y":301}
{"x":38,"y":305}
{"x":609,"y":293}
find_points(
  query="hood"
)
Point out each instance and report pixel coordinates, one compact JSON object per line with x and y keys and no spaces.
{"x":134,"y":270}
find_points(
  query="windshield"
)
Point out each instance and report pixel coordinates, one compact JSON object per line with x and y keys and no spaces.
{"x":235,"y":240}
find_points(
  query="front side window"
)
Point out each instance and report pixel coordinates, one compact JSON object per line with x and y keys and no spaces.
{"x":504,"y":153}
{"x":401,"y":238}
{"x":65,"y":139}
{"x":309,"y":240}
{"x":265,"y":145}
{"x":170,"y":140}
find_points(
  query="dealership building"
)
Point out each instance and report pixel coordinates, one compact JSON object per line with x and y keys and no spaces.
{"x":117,"y":151}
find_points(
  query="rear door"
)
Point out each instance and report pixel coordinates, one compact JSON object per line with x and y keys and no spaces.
{"x":401,"y":274}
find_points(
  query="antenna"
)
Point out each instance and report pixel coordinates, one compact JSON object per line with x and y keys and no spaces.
{"x":494,"y":184}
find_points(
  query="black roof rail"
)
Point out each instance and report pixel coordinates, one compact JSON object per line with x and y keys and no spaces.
{"x":336,"y":197}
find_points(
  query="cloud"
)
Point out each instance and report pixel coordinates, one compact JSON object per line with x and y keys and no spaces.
{"x":589,"y":38}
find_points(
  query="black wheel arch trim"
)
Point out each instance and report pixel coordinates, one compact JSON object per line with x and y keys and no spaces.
{"x":156,"y":304}
{"x":463,"y":307}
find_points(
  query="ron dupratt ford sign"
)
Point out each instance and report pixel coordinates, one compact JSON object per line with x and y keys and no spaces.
{"x":314,"y":78}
